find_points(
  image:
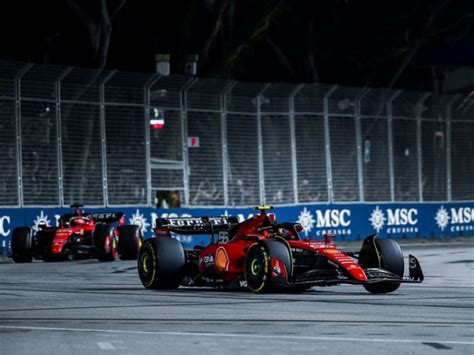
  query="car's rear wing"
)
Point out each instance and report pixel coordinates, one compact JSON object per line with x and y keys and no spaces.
{"x":195,"y":225}
{"x":105,"y":217}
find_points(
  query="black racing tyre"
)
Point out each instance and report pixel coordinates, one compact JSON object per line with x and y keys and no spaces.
{"x":257,"y":267}
{"x":279,"y":249}
{"x":105,"y":242}
{"x":21,"y":245}
{"x":129,"y":242}
{"x":391,"y":259}
{"x":161,"y":263}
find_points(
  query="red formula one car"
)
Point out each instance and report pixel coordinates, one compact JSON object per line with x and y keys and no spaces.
{"x":101,"y":235}
{"x":262,"y":255}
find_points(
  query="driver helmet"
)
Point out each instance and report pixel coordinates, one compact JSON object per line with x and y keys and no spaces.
{"x":77,"y":220}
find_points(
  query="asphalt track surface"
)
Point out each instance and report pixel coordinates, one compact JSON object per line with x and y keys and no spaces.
{"x":88,"y":307}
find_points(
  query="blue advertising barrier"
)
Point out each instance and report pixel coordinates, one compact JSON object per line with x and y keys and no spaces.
{"x":347,"y":221}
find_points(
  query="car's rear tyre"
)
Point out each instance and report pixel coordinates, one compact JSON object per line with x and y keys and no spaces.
{"x":161,"y":263}
{"x":21,"y":245}
{"x":391,"y":259}
{"x":105,"y":242}
{"x":258,"y":266}
{"x":129,"y":242}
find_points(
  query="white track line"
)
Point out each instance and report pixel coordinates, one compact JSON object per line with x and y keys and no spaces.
{"x":230,"y":335}
{"x":105,"y":346}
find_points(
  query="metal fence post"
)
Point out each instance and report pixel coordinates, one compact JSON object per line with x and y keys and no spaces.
{"x":358,"y":113}
{"x":19,"y":148}
{"x":419,"y":148}
{"x":152,"y":81}
{"x":391,"y":166}
{"x":327,"y":138}
{"x":448,"y":148}
{"x":59,"y":134}
{"x":294,"y":163}
{"x":104,"y":137}
{"x":184,"y":137}
{"x":261,"y":171}
{"x":225,"y":157}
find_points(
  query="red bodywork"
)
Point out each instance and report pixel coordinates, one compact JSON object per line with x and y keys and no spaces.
{"x":73,"y":235}
{"x":261,"y":254}
{"x":249,"y":232}
{"x":292,"y":262}
{"x":82,"y":229}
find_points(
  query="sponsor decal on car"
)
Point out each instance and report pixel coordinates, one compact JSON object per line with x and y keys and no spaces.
{"x":222,"y":259}
{"x":278,"y":268}
{"x":207,"y":260}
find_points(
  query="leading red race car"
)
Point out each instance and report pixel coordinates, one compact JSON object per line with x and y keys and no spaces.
{"x":101,"y":235}
{"x":262,"y":255}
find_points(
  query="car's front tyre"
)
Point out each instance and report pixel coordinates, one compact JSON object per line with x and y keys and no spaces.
{"x":385,"y":254}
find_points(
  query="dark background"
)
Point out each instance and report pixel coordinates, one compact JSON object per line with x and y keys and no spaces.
{"x":409,"y":44}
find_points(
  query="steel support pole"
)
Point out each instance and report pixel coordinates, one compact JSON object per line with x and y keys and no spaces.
{"x":391,"y":165}
{"x":448,"y":148}
{"x":103,"y":137}
{"x":184,"y":137}
{"x":225,"y":156}
{"x":261,"y":170}
{"x":294,"y":163}
{"x":19,"y":143}
{"x":59,"y":134}
{"x":419,"y":147}
{"x":358,"y":125}
{"x":327,"y":138}
{"x":152,"y":81}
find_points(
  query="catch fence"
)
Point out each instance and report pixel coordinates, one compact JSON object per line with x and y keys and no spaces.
{"x":108,"y":138}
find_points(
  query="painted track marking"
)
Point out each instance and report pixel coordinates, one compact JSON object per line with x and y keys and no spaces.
{"x":230,"y":335}
{"x":105,"y":346}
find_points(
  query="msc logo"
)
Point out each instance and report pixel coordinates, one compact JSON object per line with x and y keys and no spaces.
{"x":395,"y":217}
{"x":4,"y":221}
{"x":459,"y":217}
{"x":462,"y":215}
{"x":139,"y":220}
{"x":330,"y":219}
{"x":41,"y":220}
{"x":306,"y":220}
{"x":333,"y":218}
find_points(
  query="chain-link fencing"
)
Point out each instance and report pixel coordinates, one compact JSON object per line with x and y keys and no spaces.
{"x":107,"y":138}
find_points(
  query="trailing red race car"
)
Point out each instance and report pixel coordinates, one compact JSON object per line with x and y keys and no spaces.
{"x":262,"y":255}
{"x":101,"y":235}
